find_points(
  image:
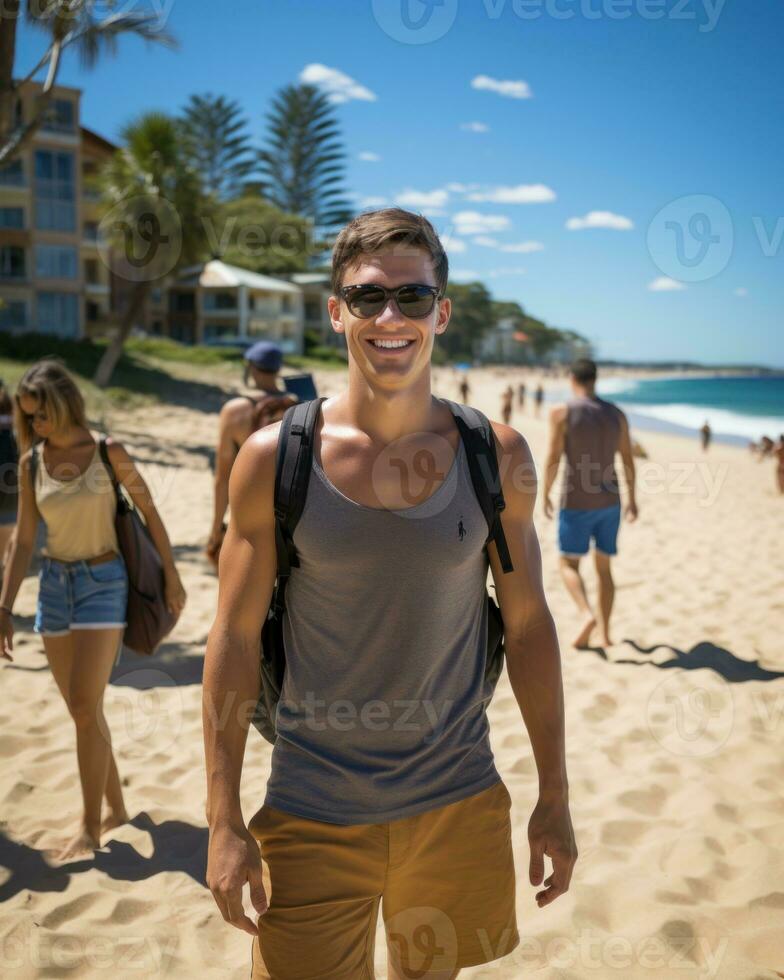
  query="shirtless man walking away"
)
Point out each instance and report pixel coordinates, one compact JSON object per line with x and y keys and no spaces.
{"x":238,"y":418}
{"x":588,"y":432}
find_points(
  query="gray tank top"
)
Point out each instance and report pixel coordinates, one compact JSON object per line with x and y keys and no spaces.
{"x":593,"y":432}
{"x":383,"y":708}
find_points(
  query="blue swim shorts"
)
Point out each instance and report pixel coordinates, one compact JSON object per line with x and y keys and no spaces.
{"x":577,"y":527}
{"x":75,"y":595}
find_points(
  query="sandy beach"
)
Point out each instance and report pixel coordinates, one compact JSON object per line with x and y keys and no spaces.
{"x":674,"y":739}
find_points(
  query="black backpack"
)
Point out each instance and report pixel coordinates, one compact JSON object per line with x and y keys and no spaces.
{"x":293,"y":465}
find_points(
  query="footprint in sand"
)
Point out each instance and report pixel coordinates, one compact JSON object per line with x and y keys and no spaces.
{"x":647,"y":802}
{"x":623,"y":833}
{"x":603,"y":706}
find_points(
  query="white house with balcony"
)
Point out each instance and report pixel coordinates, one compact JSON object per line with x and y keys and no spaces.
{"x":215,"y":299}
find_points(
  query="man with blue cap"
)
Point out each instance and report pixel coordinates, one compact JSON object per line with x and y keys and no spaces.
{"x":239,"y":418}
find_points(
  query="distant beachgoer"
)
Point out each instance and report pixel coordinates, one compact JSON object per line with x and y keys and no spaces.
{"x":9,"y":465}
{"x":538,"y":399}
{"x":778,"y":452}
{"x":464,"y":390}
{"x":765,"y":448}
{"x":239,"y":418}
{"x":705,"y":435}
{"x":83,"y":582}
{"x":638,"y":451}
{"x":521,"y":396}
{"x":506,"y":405}
{"x":588,"y":432}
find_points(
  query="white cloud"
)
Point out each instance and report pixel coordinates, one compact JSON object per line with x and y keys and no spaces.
{"x":511,"y":89}
{"x":422,"y":199}
{"x":338,"y":86}
{"x":452,"y":244}
{"x":741,"y":291}
{"x":506,"y":271}
{"x":600,"y":219}
{"x":523,"y":247}
{"x":372,"y":202}
{"x":475,"y":127}
{"x":487,"y":241}
{"x":368,"y":156}
{"x":521,"y":194}
{"x":463,"y":274}
{"x":474,"y":223}
{"x":665,"y":285}
{"x":455,"y":187}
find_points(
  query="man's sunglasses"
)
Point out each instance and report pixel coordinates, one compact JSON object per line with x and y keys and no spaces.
{"x":414,"y":300}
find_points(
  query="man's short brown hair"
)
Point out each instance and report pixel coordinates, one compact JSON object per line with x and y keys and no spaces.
{"x":373,"y":231}
{"x":583,"y":370}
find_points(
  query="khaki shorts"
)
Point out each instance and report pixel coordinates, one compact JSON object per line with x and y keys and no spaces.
{"x":446,"y":878}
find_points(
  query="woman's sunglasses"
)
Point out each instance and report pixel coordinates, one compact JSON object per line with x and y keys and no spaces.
{"x":414,"y":300}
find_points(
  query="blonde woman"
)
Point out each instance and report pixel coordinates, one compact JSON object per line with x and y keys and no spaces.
{"x":83,"y":583}
{"x":9,"y":459}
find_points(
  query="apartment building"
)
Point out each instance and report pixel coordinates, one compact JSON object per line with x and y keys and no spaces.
{"x":52,"y":279}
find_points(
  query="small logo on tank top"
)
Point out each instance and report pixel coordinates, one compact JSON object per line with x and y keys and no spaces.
{"x":461,"y":531}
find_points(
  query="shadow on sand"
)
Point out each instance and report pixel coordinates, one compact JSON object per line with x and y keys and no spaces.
{"x":702,"y":655}
{"x":177,"y":846}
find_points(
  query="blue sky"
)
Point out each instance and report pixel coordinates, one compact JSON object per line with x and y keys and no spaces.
{"x":662,"y":119}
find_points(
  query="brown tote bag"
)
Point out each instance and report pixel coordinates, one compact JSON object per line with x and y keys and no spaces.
{"x":149,"y":621}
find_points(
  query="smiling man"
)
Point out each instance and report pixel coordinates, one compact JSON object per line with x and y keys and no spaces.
{"x":383,"y":791}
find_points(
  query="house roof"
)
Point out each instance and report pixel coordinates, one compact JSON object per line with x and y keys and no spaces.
{"x":309,"y":278}
{"x":216,"y":273}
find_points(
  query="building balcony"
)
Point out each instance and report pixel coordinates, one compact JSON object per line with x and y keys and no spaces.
{"x":97,"y":288}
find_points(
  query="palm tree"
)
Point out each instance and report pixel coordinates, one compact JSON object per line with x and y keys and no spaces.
{"x":215,"y":139}
{"x":155,"y":220}
{"x":302,"y":164}
{"x":67,"y":23}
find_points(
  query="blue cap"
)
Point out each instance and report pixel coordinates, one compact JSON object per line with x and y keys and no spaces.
{"x":265,"y":356}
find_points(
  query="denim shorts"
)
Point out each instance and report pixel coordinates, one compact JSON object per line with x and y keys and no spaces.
{"x":75,"y":595}
{"x":577,"y":527}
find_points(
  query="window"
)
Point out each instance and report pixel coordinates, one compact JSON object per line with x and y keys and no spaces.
{"x":89,"y":177}
{"x":90,"y":231}
{"x":11,"y":217}
{"x":92,"y":312}
{"x":55,"y":262}
{"x":12,"y":262}
{"x":55,"y":208}
{"x":312,"y":309}
{"x":182,"y":302}
{"x":215,"y":330}
{"x":13,"y":313}
{"x":12,"y":174}
{"x":219,"y":301}
{"x":91,"y":271}
{"x":60,"y":116}
{"x":285,"y":303}
{"x":58,"y":313}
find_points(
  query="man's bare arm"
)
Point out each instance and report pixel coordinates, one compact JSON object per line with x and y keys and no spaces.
{"x":627,"y":455}
{"x":554,"y":452}
{"x":231,"y":685}
{"x":534,"y":664}
{"x":224,"y":460}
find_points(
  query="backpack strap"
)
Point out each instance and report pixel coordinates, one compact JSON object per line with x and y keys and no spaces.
{"x":292,"y":474}
{"x":477,"y":435}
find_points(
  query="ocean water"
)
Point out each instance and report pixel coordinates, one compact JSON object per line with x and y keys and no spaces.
{"x":737,"y":408}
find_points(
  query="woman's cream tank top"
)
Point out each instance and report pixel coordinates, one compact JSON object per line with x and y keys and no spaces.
{"x":78,"y":513}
